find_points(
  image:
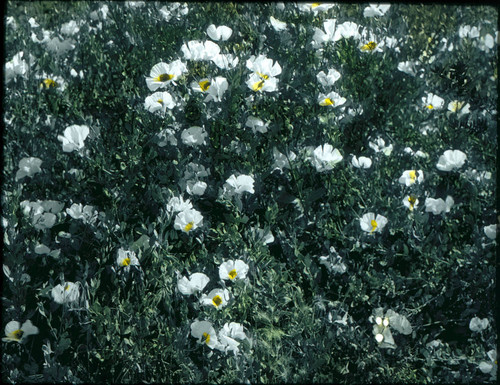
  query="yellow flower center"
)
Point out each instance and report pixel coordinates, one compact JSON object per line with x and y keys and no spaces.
{"x":66,"y":288}
{"x":374,"y":225}
{"x":204,"y":85}
{"x":217,"y":300}
{"x":160,"y":101}
{"x":189,"y":226}
{"x":164,"y":78}
{"x":48,"y":83}
{"x":429,"y":107}
{"x":412,"y":199}
{"x":413,"y":175}
{"x":314,"y":5}
{"x":207,"y":337}
{"x":370,"y":46}
{"x":327,"y":102}
{"x":263,"y":76}
{"x":126,"y":262}
{"x":258,"y":86}
{"x":456,"y":105}
{"x":232,"y":274}
{"x":16,"y":334}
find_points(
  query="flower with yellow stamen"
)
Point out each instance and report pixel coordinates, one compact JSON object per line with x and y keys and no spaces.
{"x":163,"y":74}
{"x":14,"y":332}
{"x":370,"y":46}
{"x":217,"y":298}
{"x":411,"y":177}
{"x":410,"y":201}
{"x":371,"y":223}
{"x":67,"y":293}
{"x":48,"y":83}
{"x":432,"y":102}
{"x":331,"y":99}
{"x":126,"y":259}
{"x":205,"y":333}
{"x":188,"y":220}
{"x":233,"y":269}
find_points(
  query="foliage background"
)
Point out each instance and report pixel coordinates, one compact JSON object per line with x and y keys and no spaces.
{"x":437,"y":270}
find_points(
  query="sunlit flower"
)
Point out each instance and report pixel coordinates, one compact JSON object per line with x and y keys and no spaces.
{"x":74,"y":137}
{"x":228,"y":335}
{"x":60,"y":47}
{"x":17,"y":66}
{"x":196,"y":282}
{"x":408,"y":67}
{"x":67,"y":293}
{"x":70,"y":28}
{"x":17,"y":333}
{"x":259,"y":84}
{"x":194,"y":136}
{"x":451,"y":160}
{"x":205,"y":333}
{"x":233,"y":269}
{"x":432,"y":102}
{"x":410,"y":177}
{"x":371,"y":223}
{"x":238,"y":185}
{"x":217,"y":297}
{"x":491,"y":367}
{"x":174,"y":10}
{"x":328,"y":79}
{"x":197,"y":50}
{"x":379,"y":146}
{"x":196,"y":187}
{"x":348,"y":29}
{"x":225,"y":61}
{"x":214,"y":88}
{"x":159,"y":101}
{"x":332,"y":99}
{"x":188,"y":220}
{"x":370,"y":43}
{"x":125,"y":259}
{"x":219,"y":33}
{"x":28,"y":167}
{"x":410,"y":202}
{"x":325,"y":157}
{"x":361,"y":162}
{"x":468,"y":31}
{"x":315,"y":7}
{"x":263,"y":66}
{"x":486,"y":42}
{"x":490,"y":231}
{"x":437,"y":206}
{"x":460,"y":108}
{"x":163,"y":74}
{"x":176,"y":204}
{"x":256,"y":124}
{"x":277,"y":24}
{"x":374,"y":10}
{"x":477,"y":324}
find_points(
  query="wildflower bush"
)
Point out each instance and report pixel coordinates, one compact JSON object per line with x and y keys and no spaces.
{"x":249,"y":192}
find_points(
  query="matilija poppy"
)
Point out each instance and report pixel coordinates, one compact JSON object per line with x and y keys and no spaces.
{"x":331,"y":99}
{"x":325,"y":157}
{"x":217,"y":297}
{"x":233,"y":269}
{"x":371,"y":223}
{"x":14,"y":332}
{"x":451,"y":160}
{"x":219,"y":33}
{"x":67,"y":293}
{"x":195,"y":282}
{"x":74,"y":137}
{"x":238,"y":185}
{"x":432,"y":102}
{"x":163,"y":74}
{"x":437,"y":206}
{"x":205,"y":333}
{"x":159,"y":101}
{"x":125,"y":259}
{"x":28,"y":167}
{"x":410,"y":177}
{"x":188,"y":220}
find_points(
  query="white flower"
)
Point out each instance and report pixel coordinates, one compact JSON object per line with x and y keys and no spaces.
{"x":450,"y":160}
{"x":325,"y":157}
{"x":490,"y":231}
{"x":196,"y":282}
{"x":174,"y":10}
{"x":197,"y":50}
{"x":437,"y":206}
{"x":176,"y":204}
{"x":379,"y":146}
{"x":233,"y":269}
{"x":257,"y":83}
{"x":371,"y":223}
{"x":217,"y":297}
{"x":60,"y":47}
{"x":332,"y":99}
{"x":490,"y":367}
{"x":125,"y":259}
{"x":67,"y":293}
{"x":460,"y":108}
{"x":196,"y":187}
{"x":228,"y":335}
{"x":78,"y":211}
{"x":17,"y":66}
{"x":205,"y":333}
{"x":225,"y":61}
{"x":328,"y":79}
{"x":216,"y":89}
{"x":41,"y":249}
{"x":333,"y":262}
{"x":17,"y":333}
{"x":238,"y":185}
{"x":410,"y":202}
{"x":263,"y":66}
{"x":74,"y":137}
{"x":28,"y":167}
{"x":188,"y":220}
{"x":264,"y":236}
{"x":194,"y":136}
{"x":361,"y":162}
{"x":163,"y":74}
{"x":70,"y":28}
{"x":468,"y":31}
{"x":277,"y":24}
{"x":432,"y":102}
{"x":410,"y":177}
{"x":281,"y":161}
{"x":159,"y":101}
{"x":408,"y":67}
{"x":376,"y":10}
{"x":219,"y":33}
{"x":256,"y":124}
{"x":486,"y":42}
{"x":477,"y":324}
